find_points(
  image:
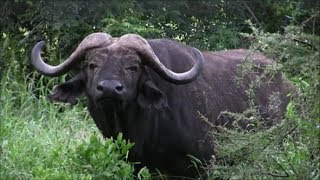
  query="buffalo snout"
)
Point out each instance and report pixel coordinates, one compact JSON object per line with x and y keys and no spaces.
{"x":112,"y":89}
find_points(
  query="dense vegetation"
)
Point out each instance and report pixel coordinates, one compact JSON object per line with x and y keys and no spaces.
{"x":44,"y":140}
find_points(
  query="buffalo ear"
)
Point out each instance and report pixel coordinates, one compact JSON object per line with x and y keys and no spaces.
{"x":69,"y":91}
{"x":150,"y":96}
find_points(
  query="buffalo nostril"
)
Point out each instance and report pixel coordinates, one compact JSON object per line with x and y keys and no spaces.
{"x":99,"y":87}
{"x":119,"y":88}
{"x":110,"y":86}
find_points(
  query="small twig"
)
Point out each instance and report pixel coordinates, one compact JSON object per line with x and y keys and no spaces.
{"x":30,"y":33}
{"x":282,"y":168}
{"x":4,"y":7}
{"x":306,"y":43}
{"x":254,"y":17}
{"x":312,"y":17}
{"x":314,"y":21}
{"x":271,"y":174}
{"x":286,"y":134}
{"x":212,"y":125}
{"x":288,"y":159}
{"x":252,"y":37}
{"x":276,"y":175}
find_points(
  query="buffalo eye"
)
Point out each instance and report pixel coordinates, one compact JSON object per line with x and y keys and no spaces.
{"x":133,"y":68}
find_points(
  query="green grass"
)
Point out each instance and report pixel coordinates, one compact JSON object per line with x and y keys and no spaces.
{"x":45,"y":140}
{"x":35,"y":136}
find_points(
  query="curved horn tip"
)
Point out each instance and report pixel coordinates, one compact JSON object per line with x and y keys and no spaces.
{"x":36,"y":49}
{"x":40,"y":44}
{"x":198,"y":51}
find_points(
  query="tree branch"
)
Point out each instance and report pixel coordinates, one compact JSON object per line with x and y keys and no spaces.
{"x":4,"y":7}
{"x":312,"y":17}
{"x":252,"y":14}
{"x":30,"y":33}
{"x":306,"y":43}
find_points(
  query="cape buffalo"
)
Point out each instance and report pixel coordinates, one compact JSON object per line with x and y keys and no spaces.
{"x":154,"y":91}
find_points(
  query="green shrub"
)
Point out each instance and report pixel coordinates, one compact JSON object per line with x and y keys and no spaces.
{"x":104,"y":160}
{"x":291,"y":148}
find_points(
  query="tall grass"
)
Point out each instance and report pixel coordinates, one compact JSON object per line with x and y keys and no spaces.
{"x":36,"y":137}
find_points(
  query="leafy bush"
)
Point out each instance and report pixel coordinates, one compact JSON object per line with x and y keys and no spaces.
{"x":290,"y":148}
{"x":104,"y":160}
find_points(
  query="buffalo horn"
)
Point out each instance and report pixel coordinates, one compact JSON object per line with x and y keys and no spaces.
{"x":91,"y":41}
{"x":139,"y":44}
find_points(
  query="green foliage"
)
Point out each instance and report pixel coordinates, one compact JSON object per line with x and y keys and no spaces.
{"x":44,"y":140}
{"x":298,"y":52}
{"x":105,"y":160}
{"x":130,"y":24}
{"x":291,"y":148}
